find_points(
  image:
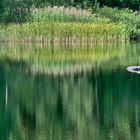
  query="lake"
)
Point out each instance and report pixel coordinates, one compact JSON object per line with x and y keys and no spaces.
{"x":80,"y":94}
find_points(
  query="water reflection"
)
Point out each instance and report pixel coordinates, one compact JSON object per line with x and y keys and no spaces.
{"x":101,"y":105}
{"x":60,"y":60}
{"x":72,"y":60}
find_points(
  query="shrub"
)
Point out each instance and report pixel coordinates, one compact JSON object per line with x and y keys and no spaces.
{"x":129,"y":17}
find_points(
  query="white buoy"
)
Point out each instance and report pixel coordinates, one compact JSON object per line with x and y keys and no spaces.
{"x":134,"y":69}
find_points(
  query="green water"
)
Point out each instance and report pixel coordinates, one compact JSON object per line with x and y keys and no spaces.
{"x":98,"y":101}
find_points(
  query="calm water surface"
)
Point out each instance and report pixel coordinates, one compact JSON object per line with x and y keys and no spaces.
{"x":99,"y":104}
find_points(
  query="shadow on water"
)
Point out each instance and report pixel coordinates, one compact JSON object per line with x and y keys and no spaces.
{"x":101,"y":104}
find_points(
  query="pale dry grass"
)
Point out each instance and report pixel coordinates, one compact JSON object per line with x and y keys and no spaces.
{"x":70,"y":11}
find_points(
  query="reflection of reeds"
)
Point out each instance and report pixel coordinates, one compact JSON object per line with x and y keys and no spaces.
{"x":65,"y":33}
{"x":81,"y":97}
{"x":63,"y":60}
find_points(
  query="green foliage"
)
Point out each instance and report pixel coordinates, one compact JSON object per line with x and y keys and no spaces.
{"x":19,"y":10}
{"x":15,"y":11}
{"x":102,"y":15}
{"x":133,"y":4}
{"x":130,"y":18}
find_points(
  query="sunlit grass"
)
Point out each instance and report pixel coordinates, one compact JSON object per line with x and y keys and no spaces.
{"x":59,"y":32}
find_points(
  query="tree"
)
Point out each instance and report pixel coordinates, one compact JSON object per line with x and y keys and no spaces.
{"x":15,"y":10}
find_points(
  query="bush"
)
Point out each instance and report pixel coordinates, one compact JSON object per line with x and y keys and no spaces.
{"x":16,"y":11}
{"x":129,"y":17}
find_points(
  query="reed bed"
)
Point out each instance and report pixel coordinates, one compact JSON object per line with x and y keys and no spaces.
{"x":66,"y":33}
{"x":66,"y":27}
{"x":68,"y":14}
{"x":61,"y":14}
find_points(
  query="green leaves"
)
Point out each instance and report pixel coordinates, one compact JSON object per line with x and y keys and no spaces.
{"x":128,"y":17}
{"x":15,"y":11}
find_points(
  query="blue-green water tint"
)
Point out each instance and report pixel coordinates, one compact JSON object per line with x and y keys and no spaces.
{"x":100,"y":104}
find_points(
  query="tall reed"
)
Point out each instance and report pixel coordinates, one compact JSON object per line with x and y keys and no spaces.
{"x":61,"y":14}
{"x":64,"y":32}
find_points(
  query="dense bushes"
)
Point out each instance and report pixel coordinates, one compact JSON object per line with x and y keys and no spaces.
{"x":130,"y":18}
{"x":19,"y":10}
{"x":133,"y":4}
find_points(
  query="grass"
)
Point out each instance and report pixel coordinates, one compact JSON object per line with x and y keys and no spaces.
{"x":64,"y":32}
{"x":61,"y":14}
